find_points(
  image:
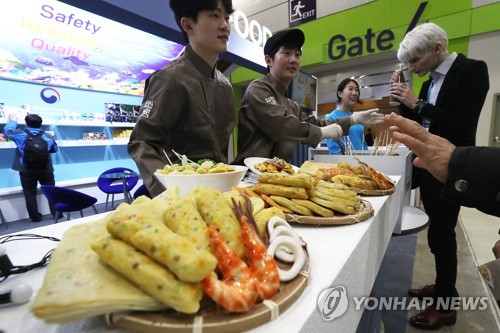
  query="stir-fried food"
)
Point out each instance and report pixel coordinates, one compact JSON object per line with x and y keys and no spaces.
{"x":275,"y":165}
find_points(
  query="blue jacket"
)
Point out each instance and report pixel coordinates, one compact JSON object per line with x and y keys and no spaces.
{"x":355,"y":139}
{"x":19,"y":137}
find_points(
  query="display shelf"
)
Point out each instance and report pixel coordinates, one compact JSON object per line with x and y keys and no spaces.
{"x":82,"y":123}
{"x":79,"y":123}
{"x":76,"y":143}
{"x":5,"y":145}
{"x":91,"y":143}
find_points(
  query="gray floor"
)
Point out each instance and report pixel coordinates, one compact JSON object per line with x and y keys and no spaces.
{"x":21,"y":225}
{"x":469,"y":283}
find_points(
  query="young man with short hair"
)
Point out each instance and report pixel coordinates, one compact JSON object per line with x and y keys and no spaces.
{"x":451,"y":101}
{"x":188,"y":105}
{"x":269,"y":123}
{"x":30,"y":176}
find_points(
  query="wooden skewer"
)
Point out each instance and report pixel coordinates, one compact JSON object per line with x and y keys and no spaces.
{"x":166,"y":155}
{"x":179,"y":156}
{"x":351,"y":147}
{"x":376,"y":143}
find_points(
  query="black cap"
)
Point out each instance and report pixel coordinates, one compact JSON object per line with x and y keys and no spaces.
{"x":292,"y":37}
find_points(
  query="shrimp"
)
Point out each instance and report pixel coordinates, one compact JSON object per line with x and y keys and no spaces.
{"x":263,"y":267}
{"x":237,"y":291}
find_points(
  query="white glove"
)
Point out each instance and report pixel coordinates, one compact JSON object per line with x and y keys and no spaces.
{"x":368,"y":117}
{"x":333,"y":131}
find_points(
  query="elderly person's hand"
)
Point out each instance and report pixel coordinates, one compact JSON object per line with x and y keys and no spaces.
{"x":496,"y":249}
{"x":433,"y":152}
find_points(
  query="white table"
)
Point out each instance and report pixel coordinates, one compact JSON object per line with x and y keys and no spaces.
{"x":348,"y":256}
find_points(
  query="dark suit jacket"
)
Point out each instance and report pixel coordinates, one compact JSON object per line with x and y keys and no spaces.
{"x":479,"y":167}
{"x":459,"y":103}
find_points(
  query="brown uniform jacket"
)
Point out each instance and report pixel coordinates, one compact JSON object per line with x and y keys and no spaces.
{"x":188,"y":106}
{"x":270,"y":124}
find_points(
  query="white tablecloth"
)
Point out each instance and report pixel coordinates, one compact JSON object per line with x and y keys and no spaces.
{"x":348,"y":256}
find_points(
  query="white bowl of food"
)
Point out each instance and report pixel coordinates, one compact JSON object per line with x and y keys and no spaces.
{"x":222,"y":181}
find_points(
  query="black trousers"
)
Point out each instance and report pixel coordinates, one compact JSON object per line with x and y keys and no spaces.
{"x":29,"y":182}
{"x":441,"y":235}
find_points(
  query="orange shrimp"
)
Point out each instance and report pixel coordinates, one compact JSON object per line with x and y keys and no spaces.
{"x":237,"y":291}
{"x":263,"y":267}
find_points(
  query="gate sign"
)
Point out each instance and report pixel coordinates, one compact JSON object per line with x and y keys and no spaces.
{"x":301,"y":11}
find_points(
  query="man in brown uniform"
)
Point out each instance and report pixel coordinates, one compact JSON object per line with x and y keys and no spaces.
{"x":188,"y":106}
{"x":269,"y":123}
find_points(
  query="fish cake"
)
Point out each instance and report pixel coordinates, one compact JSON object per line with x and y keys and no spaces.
{"x":148,"y":275}
{"x":100,"y":290}
{"x":293,"y":206}
{"x":182,"y":257}
{"x":183,"y":218}
{"x":298,"y":180}
{"x":290,"y":192}
{"x":321,"y":211}
{"x":335,"y":205}
{"x":262,"y":217}
{"x":217,"y":212}
{"x":126,"y":222}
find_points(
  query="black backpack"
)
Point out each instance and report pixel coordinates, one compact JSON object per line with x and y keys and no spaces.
{"x":36,"y":151}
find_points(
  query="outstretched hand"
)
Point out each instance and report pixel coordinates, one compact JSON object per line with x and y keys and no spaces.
{"x":368,"y":117}
{"x":433,"y":152}
{"x":332,"y":131}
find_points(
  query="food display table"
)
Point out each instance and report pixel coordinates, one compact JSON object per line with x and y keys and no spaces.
{"x":411,"y":219}
{"x":347,"y":256}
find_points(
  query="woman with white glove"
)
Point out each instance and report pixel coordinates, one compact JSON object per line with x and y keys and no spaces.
{"x":348,"y":96}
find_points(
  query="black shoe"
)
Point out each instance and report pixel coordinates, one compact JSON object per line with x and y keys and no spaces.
{"x":425,"y":291}
{"x":36,"y":219}
{"x":432,"y":319}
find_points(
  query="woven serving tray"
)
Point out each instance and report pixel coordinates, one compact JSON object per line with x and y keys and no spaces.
{"x":212,"y":318}
{"x":365,"y":212}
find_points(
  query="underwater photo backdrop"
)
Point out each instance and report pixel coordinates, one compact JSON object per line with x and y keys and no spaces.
{"x":52,"y":43}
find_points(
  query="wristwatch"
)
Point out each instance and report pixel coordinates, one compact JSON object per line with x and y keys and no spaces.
{"x":420,"y":105}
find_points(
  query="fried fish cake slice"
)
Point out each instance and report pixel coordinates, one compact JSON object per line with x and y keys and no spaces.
{"x":168,"y":196}
{"x":273,"y":203}
{"x":290,"y":192}
{"x":337,"y":206}
{"x":183,"y":218}
{"x":321,"y":211}
{"x":336,"y":196}
{"x":188,"y":261}
{"x":246,"y":191}
{"x":298,"y":180}
{"x":257,"y":202}
{"x":378,"y":178}
{"x":148,"y":275}
{"x":130,"y":219}
{"x":262,"y":217}
{"x":355,"y":182}
{"x":330,"y":185}
{"x":217,"y":212}
{"x":293,"y":206}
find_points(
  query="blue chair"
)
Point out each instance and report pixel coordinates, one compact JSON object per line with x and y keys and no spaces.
{"x":141,"y":190}
{"x":66,"y":200}
{"x":112,"y":182}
